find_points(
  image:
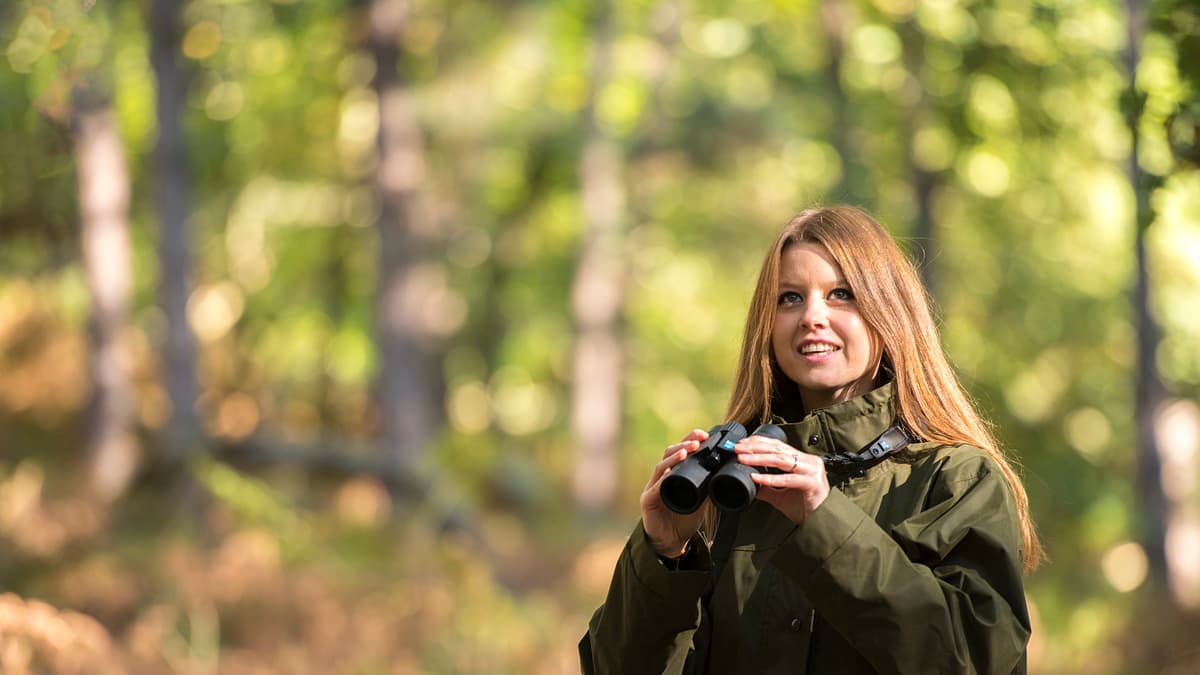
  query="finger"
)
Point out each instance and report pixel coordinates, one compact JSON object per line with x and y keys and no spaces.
{"x":794,"y":495}
{"x":779,"y":496}
{"x":674,"y":455}
{"x":674,"y":448}
{"x":785,"y":481}
{"x":795,"y":462}
{"x":664,"y":465}
{"x":780,"y":480}
{"x":696,"y":435}
{"x":771,"y":460}
{"x":762,"y":444}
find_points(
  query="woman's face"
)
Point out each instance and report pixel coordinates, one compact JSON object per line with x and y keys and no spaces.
{"x":820,"y":340}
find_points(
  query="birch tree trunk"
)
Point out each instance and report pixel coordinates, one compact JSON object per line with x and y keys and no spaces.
{"x":172,"y":203}
{"x":112,"y":446}
{"x":596,"y":298}
{"x":408,"y":408}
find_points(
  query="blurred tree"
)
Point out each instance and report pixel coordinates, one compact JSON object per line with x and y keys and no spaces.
{"x":409,"y":414}
{"x":1167,"y":120}
{"x":922,"y":180}
{"x":597,"y":291}
{"x":1164,"y":511}
{"x":1149,"y":391}
{"x":112,"y":447}
{"x":837,"y":18}
{"x":172,"y":203}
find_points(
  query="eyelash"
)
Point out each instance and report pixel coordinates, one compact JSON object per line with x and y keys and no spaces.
{"x":846,"y":296}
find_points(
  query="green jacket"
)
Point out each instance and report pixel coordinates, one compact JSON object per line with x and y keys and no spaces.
{"x":913,"y":566}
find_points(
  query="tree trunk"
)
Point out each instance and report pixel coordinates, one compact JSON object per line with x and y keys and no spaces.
{"x":335,"y":291}
{"x":924,"y":230}
{"x":1149,"y":390}
{"x":112,"y":446}
{"x":835,"y":17}
{"x":172,"y":202}
{"x":596,"y":299}
{"x":408,"y":409}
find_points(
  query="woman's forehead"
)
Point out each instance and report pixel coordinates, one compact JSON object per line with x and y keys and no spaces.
{"x":808,"y":259}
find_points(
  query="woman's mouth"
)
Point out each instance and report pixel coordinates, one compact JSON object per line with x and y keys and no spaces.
{"x":818,"y":349}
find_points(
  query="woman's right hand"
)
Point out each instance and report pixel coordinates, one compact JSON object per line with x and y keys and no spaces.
{"x":668,"y":531}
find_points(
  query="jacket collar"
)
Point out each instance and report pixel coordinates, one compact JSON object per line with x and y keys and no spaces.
{"x":847,"y":426}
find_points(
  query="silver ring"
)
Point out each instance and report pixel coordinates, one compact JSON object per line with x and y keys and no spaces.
{"x":795,"y":461}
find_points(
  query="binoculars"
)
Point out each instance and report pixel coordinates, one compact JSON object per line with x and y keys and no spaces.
{"x":714,"y":471}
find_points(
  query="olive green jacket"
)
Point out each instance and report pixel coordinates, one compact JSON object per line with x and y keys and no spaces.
{"x":912,"y":566}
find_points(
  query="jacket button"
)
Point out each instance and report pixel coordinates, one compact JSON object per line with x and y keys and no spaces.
{"x":797,"y":625}
{"x":814,"y":439}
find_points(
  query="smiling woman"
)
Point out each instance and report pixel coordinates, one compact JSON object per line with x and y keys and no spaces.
{"x":820,"y":339}
{"x":906,"y":560}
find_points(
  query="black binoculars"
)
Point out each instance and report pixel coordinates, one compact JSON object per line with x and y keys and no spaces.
{"x":714,"y":471}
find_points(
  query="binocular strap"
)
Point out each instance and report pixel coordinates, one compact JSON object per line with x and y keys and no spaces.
{"x":890,"y":442}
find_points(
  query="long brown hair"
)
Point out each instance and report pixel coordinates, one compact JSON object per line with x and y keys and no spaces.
{"x":894,"y":304}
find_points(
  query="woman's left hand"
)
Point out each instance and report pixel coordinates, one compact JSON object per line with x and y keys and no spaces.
{"x":799,"y":489}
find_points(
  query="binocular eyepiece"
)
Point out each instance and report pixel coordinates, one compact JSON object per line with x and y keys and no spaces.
{"x":714,"y":471}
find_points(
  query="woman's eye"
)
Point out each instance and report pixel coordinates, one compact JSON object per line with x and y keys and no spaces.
{"x":842,"y":294}
{"x":789,"y":298}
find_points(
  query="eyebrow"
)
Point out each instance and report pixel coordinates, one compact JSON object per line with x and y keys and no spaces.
{"x":840,"y":281}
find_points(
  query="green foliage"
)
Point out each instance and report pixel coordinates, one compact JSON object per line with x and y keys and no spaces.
{"x":728,"y":117}
{"x":252,"y":501}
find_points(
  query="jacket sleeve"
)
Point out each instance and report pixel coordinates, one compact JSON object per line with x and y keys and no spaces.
{"x":650,"y":615}
{"x":940,"y":592}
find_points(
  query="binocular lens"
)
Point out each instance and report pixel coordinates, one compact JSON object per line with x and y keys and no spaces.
{"x":732,"y":488}
{"x":714,"y":469}
{"x":681,"y":496}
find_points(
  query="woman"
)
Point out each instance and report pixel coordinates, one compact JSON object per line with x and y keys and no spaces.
{"x":909,"y":564}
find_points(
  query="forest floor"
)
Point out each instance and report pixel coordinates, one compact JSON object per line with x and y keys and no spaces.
{"x":218,"y":571}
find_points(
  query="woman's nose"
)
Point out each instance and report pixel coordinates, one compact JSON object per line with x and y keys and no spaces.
{"x":815,"y":313}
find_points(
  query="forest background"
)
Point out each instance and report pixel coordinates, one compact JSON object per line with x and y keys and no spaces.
{"x":341,"y":337}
